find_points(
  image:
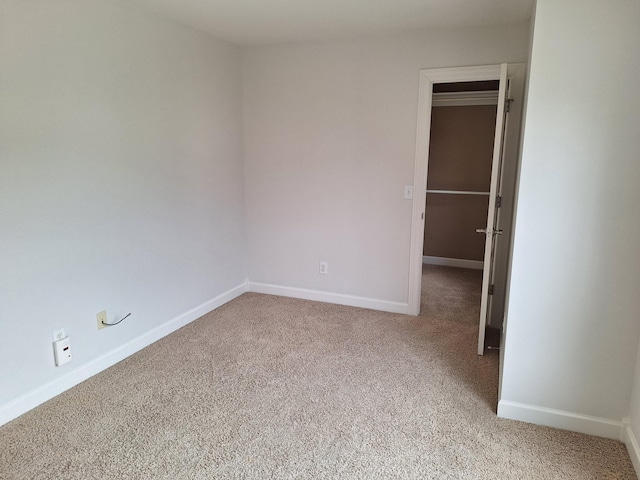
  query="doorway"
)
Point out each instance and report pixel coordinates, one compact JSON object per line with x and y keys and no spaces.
{"x":463,"y":122}
{"x":500,"y":207}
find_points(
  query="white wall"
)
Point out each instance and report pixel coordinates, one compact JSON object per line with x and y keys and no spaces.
{"x":574,"y":306}
{"x":329,"y":145}
{"x":121,"y":180}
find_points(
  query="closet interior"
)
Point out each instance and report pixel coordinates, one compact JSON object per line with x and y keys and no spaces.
{"x":463,"y":123}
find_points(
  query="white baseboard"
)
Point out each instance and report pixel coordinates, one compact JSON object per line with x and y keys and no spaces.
{"x":630,"y":440}
{"x":600,"y":427}
{"x":32,"y":399}
{"x":453,"y":262}
{"x":328,"y":297}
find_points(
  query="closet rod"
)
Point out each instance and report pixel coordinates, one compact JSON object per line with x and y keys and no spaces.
{"x":457,"y":192}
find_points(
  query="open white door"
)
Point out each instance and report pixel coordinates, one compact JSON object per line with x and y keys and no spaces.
{"x":490,"y":230}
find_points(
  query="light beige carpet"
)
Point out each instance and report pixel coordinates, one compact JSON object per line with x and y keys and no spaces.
{"x":271,"y":387}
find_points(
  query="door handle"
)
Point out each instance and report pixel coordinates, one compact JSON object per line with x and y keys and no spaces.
{"x":489,"y":231}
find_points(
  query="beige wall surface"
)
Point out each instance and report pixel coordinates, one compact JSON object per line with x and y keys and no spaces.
{"x":451,"y":222}
{"x":460,"y":156}
{"x":461,"y":147}
{"x":122,"y":182}
{"x":330,"y":137}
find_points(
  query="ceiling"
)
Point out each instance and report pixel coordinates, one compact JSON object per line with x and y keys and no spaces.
{"x":260,"y":22}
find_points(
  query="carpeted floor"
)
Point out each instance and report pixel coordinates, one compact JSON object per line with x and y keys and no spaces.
{"x":272,"y":387}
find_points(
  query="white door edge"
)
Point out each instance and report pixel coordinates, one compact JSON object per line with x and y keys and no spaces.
{"x":487,"y":269}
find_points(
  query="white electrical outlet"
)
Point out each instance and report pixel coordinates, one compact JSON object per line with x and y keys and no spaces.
{"x":62,"y":351}
{"x":324,"y":268}
{"x":58,"y":334}
{"x":101,"y":319}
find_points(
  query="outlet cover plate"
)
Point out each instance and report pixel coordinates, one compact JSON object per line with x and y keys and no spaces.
{"x":58,"y":334}
{"x":62,"y":351}
{"x":324,"y":268}
{"x":101,"y":317}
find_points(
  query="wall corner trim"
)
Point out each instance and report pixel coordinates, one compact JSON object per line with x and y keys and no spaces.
{"x":22,"y":404}
{"x":329,"y":297}
{"x":598,"y":426}
{"x":630,"y":440}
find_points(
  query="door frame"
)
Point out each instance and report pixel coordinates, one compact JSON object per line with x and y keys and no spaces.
{"x":423,"y":134}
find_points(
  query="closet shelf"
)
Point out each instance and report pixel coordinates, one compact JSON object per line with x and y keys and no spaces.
{"x":457,"y":192}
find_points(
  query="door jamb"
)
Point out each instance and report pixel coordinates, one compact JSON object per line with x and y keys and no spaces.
{"x":427,"y":79}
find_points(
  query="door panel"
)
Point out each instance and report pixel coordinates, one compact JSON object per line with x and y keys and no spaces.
{"x":490,"y":229}
{"x":516,"y":74}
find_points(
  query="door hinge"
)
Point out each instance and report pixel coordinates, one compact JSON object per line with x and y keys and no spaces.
{"x":498,"y":201}
{"x":507,"y":104}
{"x":491,"y":288}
